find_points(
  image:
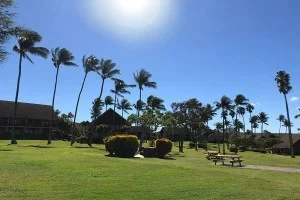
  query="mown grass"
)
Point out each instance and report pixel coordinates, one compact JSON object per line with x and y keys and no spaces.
{"x":31,"y":170}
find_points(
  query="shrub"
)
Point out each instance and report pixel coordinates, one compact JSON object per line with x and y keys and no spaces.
{"x":163,"y":147}
{"x":192,"y":145}
{"x":124,"y":146}
{"x":233,"y":149}
{"x":202,"y":145}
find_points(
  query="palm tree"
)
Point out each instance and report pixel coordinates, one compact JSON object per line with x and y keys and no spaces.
{"x":263,"y":119}
{"x":120,"y":88}
{"x":124,"y":106}
{"x":239,"y":101}
{"x":241,"y":111}
{"x":142,"y":78}
{"x":283,"y":81}
{"x":89,"y":64}
{"x":254,"y":122}
{"x":108,"y":101}
{"x":287,"y":124}
{"x":225,"y":106}
{"x":250,"y":108}
{"x":219,"y":126}
{"x":155,"y":103}
{"x":26,"y":44}
{"x":64,"y":57}
{"x":106,"y":70}
{"x":281,"y":118}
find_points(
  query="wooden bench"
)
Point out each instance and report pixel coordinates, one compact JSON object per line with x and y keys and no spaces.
{"x":211,"y":155}
{"x":236,"y":161}
{"x":215,"y":160}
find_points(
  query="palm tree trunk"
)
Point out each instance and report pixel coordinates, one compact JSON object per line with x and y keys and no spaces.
{"x":105,"y":107}
{"x":251,"y":123}
{"x":75,"y":115}
{"x":289,"y":127}
{"x":141,"y":140}
{"x":13,"y":134}
{"x":101,"y":88}
{"x":53,"y":100}
{"x":223,"y":135}
{"x":262,"y":128}
{"x":279,"y":126}
{"x":115,"y":102}
{"x":122,"y":112}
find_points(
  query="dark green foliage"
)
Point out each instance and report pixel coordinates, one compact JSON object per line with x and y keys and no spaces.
{"x":124,"y":146}
{"x":163,"y":147}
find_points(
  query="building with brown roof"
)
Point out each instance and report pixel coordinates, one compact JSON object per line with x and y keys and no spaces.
{"x":284,"y":147}
{"x":32,"y":120}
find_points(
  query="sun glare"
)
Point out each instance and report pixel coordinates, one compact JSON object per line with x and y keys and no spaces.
{"x":130,"y":19}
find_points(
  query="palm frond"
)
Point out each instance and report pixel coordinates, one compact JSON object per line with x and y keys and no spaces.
{"x":27,"y":57}
{"x":39,"y":51}
{"x":16,"y":49}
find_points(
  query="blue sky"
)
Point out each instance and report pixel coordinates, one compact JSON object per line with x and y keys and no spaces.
{"x":207,"y":49}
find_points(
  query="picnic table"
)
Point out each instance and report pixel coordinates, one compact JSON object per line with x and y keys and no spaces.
{"x":233,"y":159}
{"x":211,"y":154}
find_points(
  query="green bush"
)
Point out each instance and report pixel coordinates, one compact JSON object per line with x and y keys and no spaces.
{"x":192,"y":145}
{"x":163,"y":147}
{"x":124,"y":146}
{"x":233,"y":149}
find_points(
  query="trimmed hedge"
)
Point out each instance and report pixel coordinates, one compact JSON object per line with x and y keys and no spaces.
{"x":124,"y":146}
{"x":163,"y":147}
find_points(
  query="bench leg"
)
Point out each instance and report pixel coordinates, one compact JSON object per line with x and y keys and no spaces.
{"x":240,"y":164}
{"x":223,"y":162}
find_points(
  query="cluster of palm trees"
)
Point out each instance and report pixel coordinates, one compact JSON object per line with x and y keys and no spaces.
{"x":105,"y":68}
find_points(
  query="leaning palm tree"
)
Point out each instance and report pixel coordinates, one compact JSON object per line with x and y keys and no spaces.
{"x":280,"y":118}
{"x":108,"y":101}
{"x":155,"y":103}
{"x":225,"y":106}
{"x":89,"y":64}
{"x":241,"y":111}
{"x":142,"y":78}
{"x":59,"y":57}
{"x":119,"y":90}
{"x":26,"y":44}
{"x":254,"y":121}
{"x":250,"y":108}
{"x":124,"y":106}
{"x":263,"y":119}
{"x":287,"y":124}
{"x":106,"y":70}
{"x":283,"y":81}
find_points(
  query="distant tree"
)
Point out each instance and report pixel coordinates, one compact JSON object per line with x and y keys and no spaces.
{"x":263,"y":119}
{"x":281,"y":118}
{"x":131,"y":119}
{"x":250,"y":108}
{"x":241,"y":111}
{"x":120,"y":88}
{"x":283,"y":81}
{"x":286,"y":124}
{"x":155,"y":103}
{"x":219,"y":126}
{"x":106,"y":70}
{"x":26,"y":44}
{"x":124,"y":105}
{"x":239,"y":101}
{"x":59,"y":57}
{"x":225,"y":106}
{"x":108,"y":101}
{"x":254,"y":121}
{"x":96,"y":108}
{"x":89,"y":65}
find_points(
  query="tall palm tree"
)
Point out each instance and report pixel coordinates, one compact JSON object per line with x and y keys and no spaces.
{"x":124,"y":106}
{"x":108,"y":101}
{"x":280,"y":118}
{"x":155,"y":103}
{"x":286,"y":124}
{"x":242,"y":111}
{"x":89,"y":64}
{"x":26,"y":44}
{"x":106,"y":70}
{"x":225,"y":106}
{"x":219,"y":127}
{"x":59,"y":57}
{"x":254,"y":122}
{"x":263,"y":119}
{"x":250,"y":108}
{"x":119,"y":90}
{"x":283,"y":81}
{"x":142,"y":79}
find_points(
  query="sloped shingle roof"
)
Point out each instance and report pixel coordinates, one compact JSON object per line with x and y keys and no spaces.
{"x":110,"y":117}
{"x":25,"y":110}
{"x":286,"y":142}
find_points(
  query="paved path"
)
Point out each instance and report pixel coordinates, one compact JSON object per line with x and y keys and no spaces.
{"x":280,"y":169}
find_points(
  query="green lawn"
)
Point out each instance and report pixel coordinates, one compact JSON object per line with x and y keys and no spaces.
{"x":29,"y":170}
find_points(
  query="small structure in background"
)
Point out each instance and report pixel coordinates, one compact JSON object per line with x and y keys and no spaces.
{"x":32,"y":121}
{"x":284,"y":147}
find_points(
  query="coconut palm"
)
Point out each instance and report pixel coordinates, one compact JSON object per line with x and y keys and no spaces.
{"x":89,"y":64}
{"x":287,"y":124}
{"x":124,"y":106}
{"x":250,"y":108}
{"x":280,"y":118}
{"x":155,"y":103}
{"x":142,"y":79}
{"x":106,"y":70}
{"x":254,"y":122}
{"x":120,"y":89}
{"x":263,"y":119}
{"x":26,"y":46}
{"x":240,"y":101}
{"x":219,"y":126}
{"x":225,"y":106}
{"x":108,"y":101}
{"x":283,"y":81}
{"x":59,"y":57}
{"x":241,"y":111}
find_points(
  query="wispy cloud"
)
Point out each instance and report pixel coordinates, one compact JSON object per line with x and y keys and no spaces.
{"x":257,"y":104}
{"x":294,"y":99}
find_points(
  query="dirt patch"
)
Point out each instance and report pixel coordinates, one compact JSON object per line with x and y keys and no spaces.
{"x":280,"y":169}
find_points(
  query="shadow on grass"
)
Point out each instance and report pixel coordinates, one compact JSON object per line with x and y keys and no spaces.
{"x":38,"y":146}
{"x":84,"y":147}
{"x":6,"y":150}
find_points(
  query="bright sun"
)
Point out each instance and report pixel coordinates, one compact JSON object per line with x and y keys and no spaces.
{"x":130,"y":19}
